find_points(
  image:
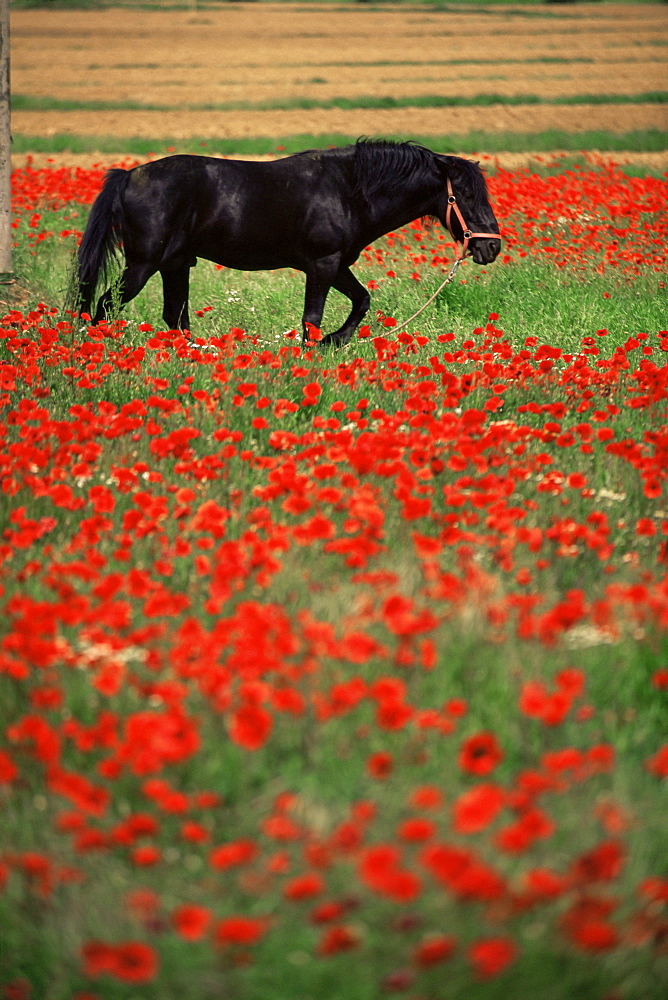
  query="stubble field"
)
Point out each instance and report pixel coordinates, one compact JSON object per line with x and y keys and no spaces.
{"x":242,"y":70}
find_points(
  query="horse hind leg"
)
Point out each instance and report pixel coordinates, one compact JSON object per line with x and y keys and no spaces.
{"x":130,"y":284}
{"x":346,"y":283}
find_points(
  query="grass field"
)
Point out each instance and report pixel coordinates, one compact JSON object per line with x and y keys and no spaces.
{"x":338,"y":676}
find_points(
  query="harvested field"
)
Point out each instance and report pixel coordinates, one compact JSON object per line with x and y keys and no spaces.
{"x":178,"y":68}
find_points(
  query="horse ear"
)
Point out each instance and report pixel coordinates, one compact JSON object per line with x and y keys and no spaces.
{"x":448,"y":163}
{"x":466,"y":171}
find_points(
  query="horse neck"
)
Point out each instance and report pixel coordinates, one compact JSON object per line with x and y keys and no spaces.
{"x":395,"y":209}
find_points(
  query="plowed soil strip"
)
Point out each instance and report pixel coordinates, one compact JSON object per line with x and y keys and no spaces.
{"x":318,"y":121}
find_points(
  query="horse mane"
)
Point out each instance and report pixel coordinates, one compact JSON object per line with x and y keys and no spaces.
{"x":385,"y":165}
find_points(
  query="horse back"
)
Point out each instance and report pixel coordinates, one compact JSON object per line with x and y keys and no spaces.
{"x":243,"y":214}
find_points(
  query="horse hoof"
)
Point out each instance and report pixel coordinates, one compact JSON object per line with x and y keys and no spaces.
{"x":332,"y":341}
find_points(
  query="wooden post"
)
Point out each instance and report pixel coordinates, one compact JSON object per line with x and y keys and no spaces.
{"x":6,"y":274}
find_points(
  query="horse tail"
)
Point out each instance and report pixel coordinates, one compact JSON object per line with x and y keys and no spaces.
{"x":101,"y":238}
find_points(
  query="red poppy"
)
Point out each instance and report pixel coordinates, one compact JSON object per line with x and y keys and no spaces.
{"x":654,"y":888}
{"x":191,"y":921}
{"x":658,"y":763}
{"x":426,"y":797}
{"x":477,"y":808}
{"x":535,"y":822}
{"x":456,"y":707}
{"x":146,"y":855}
{"x":490,"y":956}
{"x":134,"y":962}
{"x":380,"y":765}
{"x":324,"y":913}
{"x":18,"y":989}
{"x":304,"y":886}
{"x":250,"y":727}
{"x":416,"y":830}
{"x":550,"y":707}
{"x":393,"y":715}
{"x":282,"y":828}
{"x":480,"y":754}
{"x":594,"y":935}
{"x":131,"y":961}
{"x":240,"y":930}
{"x":601,"y":864}
{"x":339,"y":938}
{"x":195,"y":832}
{"x":586,"y":923}
{"x":98,"y":958}
{"x":434,"y":949}
{"x":543,"y":883}
{"x":378,"y":859}
{"x":237,"y":852}
{"x":380,"y":870}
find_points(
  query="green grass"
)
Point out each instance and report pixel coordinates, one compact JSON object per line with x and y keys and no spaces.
{"x":641,"y":141}
{"x":557,"y":60}
{"x":529,"y":298}
{"x":23,"y":102}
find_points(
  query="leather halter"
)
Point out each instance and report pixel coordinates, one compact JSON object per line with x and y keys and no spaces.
{"x":468,"y":234}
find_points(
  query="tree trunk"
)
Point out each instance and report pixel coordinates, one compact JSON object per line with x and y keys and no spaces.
{"x":5,"y":148}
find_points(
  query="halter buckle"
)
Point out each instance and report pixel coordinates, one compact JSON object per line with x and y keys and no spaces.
{"x":451,"y":199}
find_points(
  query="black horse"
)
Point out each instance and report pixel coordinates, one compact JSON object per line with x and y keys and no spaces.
{"x":314,"y":211}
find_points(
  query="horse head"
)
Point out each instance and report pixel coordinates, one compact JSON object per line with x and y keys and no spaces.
{"x":467,"y":213}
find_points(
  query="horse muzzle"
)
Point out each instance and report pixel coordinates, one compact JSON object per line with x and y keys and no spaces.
{"x":484,"y":249}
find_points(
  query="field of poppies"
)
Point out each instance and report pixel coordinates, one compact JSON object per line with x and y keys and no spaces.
{"x":343,"y":675}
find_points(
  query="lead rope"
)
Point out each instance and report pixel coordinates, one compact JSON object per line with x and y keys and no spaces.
{"x":467,"y":234}
{"x":450,"y":277}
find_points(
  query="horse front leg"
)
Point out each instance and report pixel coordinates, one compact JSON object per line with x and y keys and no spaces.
{"x":346,"y":283}
{"x":320,"y":277}
{"x":175,"y":294}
